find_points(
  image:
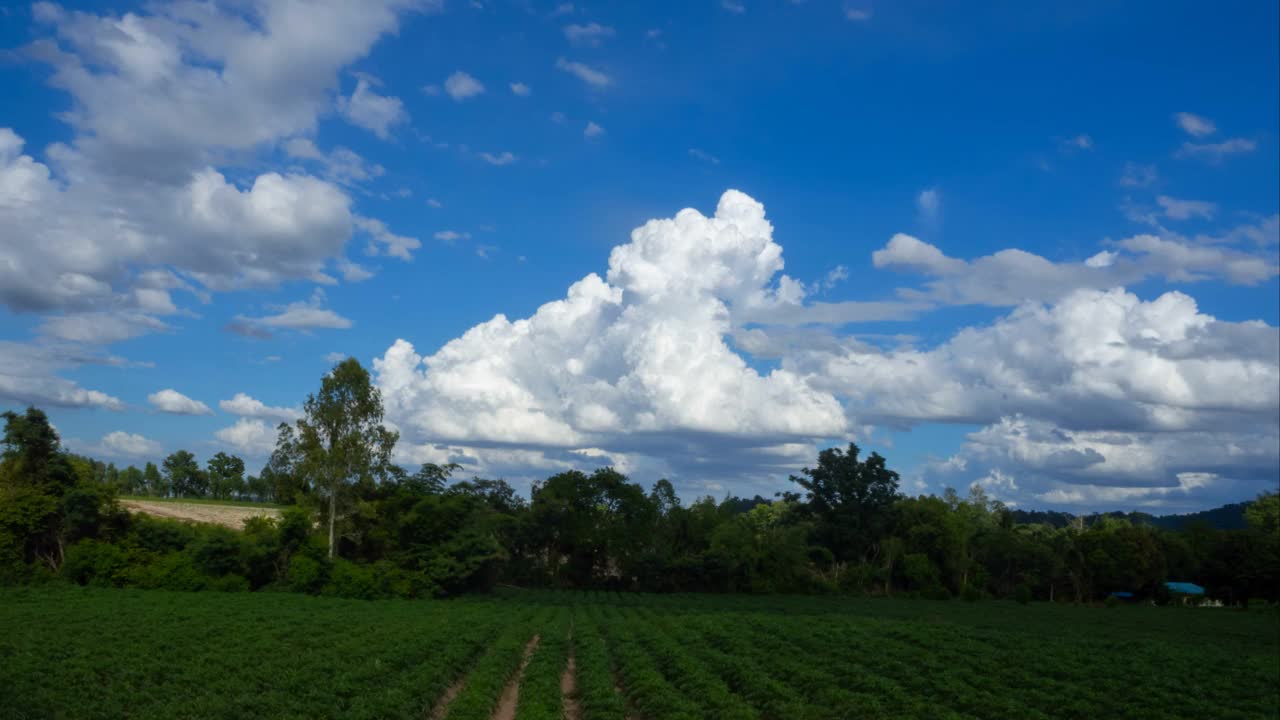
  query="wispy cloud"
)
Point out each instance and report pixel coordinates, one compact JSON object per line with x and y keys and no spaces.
{"x":929,"y":203}
{"x":520,"y":89}
{"x":1176,"y":209}
{"x":1136,"y":175}
{"x":589,"y":35}
{"x":586,"y":74}
{"x":461,"y":86}
{"x":304,"y":315}
{"x":451,"y":236}
{"x":1194,"y":125}
{"x":502,"y":158}
{"x":1216,"y":152}
{"x":704,"y":156}
{"x":592,"y":130}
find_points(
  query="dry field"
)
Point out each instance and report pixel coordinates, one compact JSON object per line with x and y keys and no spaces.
{"x":231,"y":516}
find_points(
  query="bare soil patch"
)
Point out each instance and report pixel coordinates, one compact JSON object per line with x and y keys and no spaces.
{"x":442,"y":705}
{"x":225,"y":515}
{"x":506,"y":709}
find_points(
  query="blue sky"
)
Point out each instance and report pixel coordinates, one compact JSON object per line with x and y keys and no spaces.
{"x":1029,"y":247}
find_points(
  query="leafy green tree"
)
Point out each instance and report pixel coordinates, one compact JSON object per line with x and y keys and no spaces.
{"x":131,"y":481}
{"x":35,"y":477}
{"x":48,"y":498}
{"x":283,"y":471}
{"x":1263,"y":514}
{"x":340,"y":438}
{"x":430,"y":479}
{"x":226,"y":476}
{"x":184,"y":477}
{"x":851,"y":499}
{"x":153,"y":482}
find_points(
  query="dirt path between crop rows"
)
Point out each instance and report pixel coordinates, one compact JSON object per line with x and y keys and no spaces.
{"x":506,"y":709}
{"x":442,"y":705}
{"x":225,"y":515}
{"x":569,"y":690}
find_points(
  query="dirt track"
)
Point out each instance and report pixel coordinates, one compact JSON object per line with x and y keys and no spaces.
{"x":226,"y":515}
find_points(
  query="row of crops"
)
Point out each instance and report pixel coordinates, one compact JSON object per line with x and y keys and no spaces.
{"x":79,"y":653}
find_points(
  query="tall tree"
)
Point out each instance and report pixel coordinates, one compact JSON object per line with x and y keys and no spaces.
{"x":852,"y":500}
{"x":283,"y":472}
{"x":153,"y":482}
{"x":184,"y":476}
{"x":35,"y":478}
{"x":340,"y":437}
{"x":226,"y":475}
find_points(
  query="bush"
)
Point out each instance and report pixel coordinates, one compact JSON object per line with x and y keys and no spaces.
{"x":229,"y":583}
{"x":217,"y":551}
{"x":1112,"y":601}
{"x":174,"y":571}
{"x":161,"y":536}
{"x":90,"y":562}
{"x":936,"y":592}
{"x":1022,"y":594}
{"x":306,"y":574}
{"x":350,"y":580}
{"x":971,"y":594}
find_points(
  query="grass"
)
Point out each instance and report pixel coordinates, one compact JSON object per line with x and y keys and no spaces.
{"x":204,"y":501}
{"x":70,"y":652}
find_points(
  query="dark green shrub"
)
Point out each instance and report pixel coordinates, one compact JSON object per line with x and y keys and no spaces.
{"x":217,"y":551}
{"x":161,"y":536}
{"x":971,"y":594}
{"x":936,"y":592}
{"x":1112,"y":601}
{"x":90,"y":562}
{"x":174,"y":571}
{"x":351,"y":580}
{"x":1022,"y":594}
{"x":306,"y":574}
{"x":229,"y":583}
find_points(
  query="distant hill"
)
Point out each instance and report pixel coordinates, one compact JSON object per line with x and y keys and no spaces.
{"x":1227,"y":517}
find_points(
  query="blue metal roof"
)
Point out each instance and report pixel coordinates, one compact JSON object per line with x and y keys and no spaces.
{"x":1185,"y":588}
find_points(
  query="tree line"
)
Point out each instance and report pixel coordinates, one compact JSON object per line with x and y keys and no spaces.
{"x":358,"y":525}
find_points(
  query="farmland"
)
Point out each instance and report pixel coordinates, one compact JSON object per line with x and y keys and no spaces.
{"x":96,"y":653}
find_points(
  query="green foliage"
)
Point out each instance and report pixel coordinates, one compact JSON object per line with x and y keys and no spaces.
{"x":1263,"y":515}
{"x":340,"y":441}
{"x":688,"y":656}
{"x":226,"y":476}
{"x":306,"y":574}
{"x":403,"y":534}
{"x":851,"y":498}
{"x":183,"y":476}
{"x":1022,"y":594}
{"x":90,"y":562}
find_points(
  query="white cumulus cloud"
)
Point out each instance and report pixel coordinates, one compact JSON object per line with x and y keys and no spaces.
{"x":247,"y":406}
{"x":623,"y":360}
{"x":174,"y":402}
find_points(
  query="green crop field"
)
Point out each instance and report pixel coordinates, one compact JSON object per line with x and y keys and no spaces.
{"x":90,"y":653}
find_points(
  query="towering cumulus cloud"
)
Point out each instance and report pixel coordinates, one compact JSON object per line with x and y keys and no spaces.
{"x":622,"y":360}
{"x":1076,"y":396}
